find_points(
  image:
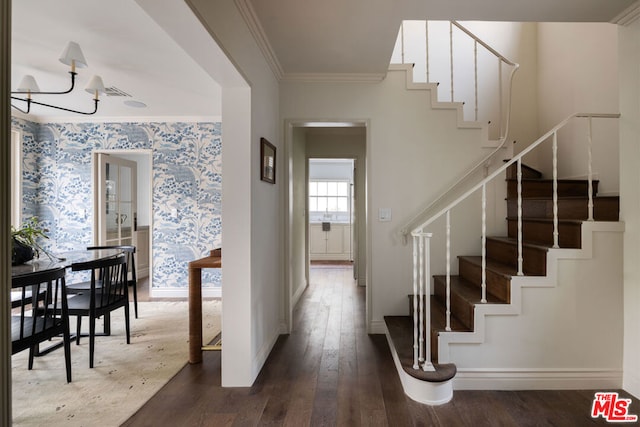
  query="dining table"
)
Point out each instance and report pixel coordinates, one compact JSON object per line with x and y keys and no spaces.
{"x":63,"y":259}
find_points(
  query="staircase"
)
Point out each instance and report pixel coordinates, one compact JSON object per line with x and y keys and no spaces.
{"x":501,"y":266}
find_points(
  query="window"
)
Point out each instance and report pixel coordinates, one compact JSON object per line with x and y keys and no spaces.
{"x":16,"y":179}
{"x":328,"y":196}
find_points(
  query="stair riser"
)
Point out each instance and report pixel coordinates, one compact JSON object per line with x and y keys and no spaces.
{"x":534,"y":259}
{"x":569,"y":234}
{"x":460,"y":307}
{"x":544,"y":188}
{"x":604,"y":209}
{"x":527,"y":172}
{"x":497,"y":284}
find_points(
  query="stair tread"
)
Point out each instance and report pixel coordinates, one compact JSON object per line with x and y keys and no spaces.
{"x":547,"y":220}
{"x":512,"y":241}
{"x":551,"y":180}
{"x":540,"y":198}
{"x":494,"y":266}
{"x":401,"y":332}
{"x":469,"y":291}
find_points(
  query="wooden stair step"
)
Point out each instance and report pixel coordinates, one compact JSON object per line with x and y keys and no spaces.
{"x":464,"y":297}
{"x":505,"y":250}
{"x":605,"y":208}
{"x":537,"y":188}
{"x":401,"y":332}
{"x":498,"y":275}
{"x":540,"y":231}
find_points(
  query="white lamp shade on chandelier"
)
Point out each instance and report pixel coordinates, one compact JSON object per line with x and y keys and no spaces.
{"x":95,"y":86}
{"x":72,"y":55}
{"x":28,"y":84}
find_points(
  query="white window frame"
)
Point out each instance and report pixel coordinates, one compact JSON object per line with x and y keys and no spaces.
{"x":346,"y":197}
{"x":16,"y":178}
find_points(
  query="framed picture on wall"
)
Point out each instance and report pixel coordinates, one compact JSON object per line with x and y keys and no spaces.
{"x":267,"y":161}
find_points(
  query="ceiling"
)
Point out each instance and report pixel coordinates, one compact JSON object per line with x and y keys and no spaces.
{"x":321,"y":40}
{"x":122,"y":44}
{"x":342,"y":39}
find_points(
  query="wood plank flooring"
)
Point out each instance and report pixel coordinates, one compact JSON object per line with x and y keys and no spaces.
{"x":329,"y":372}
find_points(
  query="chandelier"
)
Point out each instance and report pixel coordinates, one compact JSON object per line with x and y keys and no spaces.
{"x":72,"y":56}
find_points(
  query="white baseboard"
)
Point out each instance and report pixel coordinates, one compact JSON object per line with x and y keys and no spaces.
{"x":263,"y":354}
{"x":296,"y":296}
{"x":184,"y":293}
{"x":377,"y":327}
{"x":537,"y":379}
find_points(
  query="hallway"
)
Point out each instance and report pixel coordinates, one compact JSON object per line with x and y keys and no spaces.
{"x":328,"y":371}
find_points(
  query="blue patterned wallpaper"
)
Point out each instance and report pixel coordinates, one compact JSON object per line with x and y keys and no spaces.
{"x":187,"y":176}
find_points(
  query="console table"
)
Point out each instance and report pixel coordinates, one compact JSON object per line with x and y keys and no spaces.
{"x":214,"y":260}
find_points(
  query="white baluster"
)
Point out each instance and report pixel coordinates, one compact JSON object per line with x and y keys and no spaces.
{"x":421,"y":298}
{"x":520,"y":257}
{"x":402,"y":40}
{"x":475,"y":73}
{"x":448,"y":290}
{"x":590,"y":149}
{"x":415,"y":302}
{"x":555,"y":190}
{"x":427,"y":365}
{"x":484,"y":244}
{"x":426,"y":32}
{"x":500,"y":112}
{"x":451,"y":55}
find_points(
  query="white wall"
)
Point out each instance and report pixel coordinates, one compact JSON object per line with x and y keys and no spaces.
{"x":298,"y":255}
{"x":413,"y":154}
{"x":629,"y":60}
{"x":251,"y":213}
{"x":578,"y":72}
{"x":516,"y":41}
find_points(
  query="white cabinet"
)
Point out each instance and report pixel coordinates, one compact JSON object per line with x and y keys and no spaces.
{"x":332,"y":245}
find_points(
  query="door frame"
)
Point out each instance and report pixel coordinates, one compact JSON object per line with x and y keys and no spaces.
{"x":148,"y":155}
{"x":288,"y":298}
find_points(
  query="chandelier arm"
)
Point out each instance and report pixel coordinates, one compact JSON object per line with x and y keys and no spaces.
{"x":73,"y":84}
{"x":58,"y":108}
{"x":20,"y":109}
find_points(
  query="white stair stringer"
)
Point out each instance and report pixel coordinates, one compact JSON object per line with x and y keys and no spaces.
{"x":530,"y":363}
{"x":457,"y":106}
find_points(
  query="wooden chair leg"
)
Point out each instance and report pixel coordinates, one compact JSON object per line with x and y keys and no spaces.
{"x":135,"y":299}
{"x":67,"y":352}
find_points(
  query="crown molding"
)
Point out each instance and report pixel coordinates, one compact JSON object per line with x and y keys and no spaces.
{"x":334,"y":77}
{"x":127,"y":119}
{"x":629,"y":15}
{"x":251,"y":19}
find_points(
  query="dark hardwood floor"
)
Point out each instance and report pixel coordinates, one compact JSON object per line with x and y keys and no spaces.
{"x":328,"y":372}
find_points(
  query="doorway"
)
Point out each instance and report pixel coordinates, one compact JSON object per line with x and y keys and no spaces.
{"x":134,"y":223}
{"x":332,"y":144}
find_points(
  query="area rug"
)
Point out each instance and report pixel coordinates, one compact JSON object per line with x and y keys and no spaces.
{"x":124,"y":376}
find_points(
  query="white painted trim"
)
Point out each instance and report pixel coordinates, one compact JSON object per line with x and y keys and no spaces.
{"x":121,"y":119}
{"x":537,"y":379}
{"x":215,"y":292}
{"x":263,"y":354}
{"x":296,"y":297}
{"x":16,"y":174}
{"x":334,"y":77}
{"x":377,"y":327}
{"x":255,"y":27}
{"x":519,"y":282}
{"x":428,"y":393}
{"x":628,"y":16}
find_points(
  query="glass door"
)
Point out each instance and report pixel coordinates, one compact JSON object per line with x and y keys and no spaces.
{"x":116,"y":201}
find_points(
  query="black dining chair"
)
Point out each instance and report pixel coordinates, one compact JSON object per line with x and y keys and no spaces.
{"x":40,"y":313}
{"x":108,"y":291}
{"x":132,"y":279}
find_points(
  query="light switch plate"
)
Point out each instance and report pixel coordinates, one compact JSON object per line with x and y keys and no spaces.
{"x":384,"y":214}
